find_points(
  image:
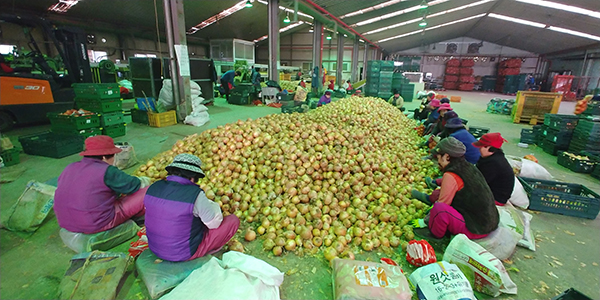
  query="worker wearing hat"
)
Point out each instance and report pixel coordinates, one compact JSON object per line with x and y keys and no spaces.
{"x":397,"y":100}
{"x":435,"y":116}
{"x":181,"y":222}
{"x":325,"y":99}
{"x":88,"y":196}
{"x":495,"y":168}
{"x":455,"y":128}
{"x":425,"y":110}
{"x":466,"y":203}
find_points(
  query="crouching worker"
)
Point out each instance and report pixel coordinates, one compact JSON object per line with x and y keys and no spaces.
{"x":181,"y":222}
{"x":495,"y":168}
{"x":93,"y":195}
{"x":465,"y":204}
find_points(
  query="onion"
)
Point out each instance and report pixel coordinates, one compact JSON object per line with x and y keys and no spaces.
{"x":250,"y":235}
{"x":277,"y":250}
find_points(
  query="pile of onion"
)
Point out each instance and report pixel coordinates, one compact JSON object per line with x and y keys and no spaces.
{"x":336,"y":179}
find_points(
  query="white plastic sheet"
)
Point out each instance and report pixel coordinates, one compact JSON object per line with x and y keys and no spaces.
{"x":237,"y":276}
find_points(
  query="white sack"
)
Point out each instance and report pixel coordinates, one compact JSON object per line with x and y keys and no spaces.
{"x":237,"y":276}
{"x":531,"y":169}
{"x":165,"y":96}
{"x":519,"y":196}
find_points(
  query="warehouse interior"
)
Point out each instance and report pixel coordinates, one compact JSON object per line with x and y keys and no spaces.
{"x":285,"y":40}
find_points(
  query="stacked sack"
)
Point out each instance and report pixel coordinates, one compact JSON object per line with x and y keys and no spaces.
{"x":452,"y":74}
{"x":466,"y":78}
{"x":507,"y":67}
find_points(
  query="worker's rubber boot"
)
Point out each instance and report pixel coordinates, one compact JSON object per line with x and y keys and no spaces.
{"x":420,"y":196}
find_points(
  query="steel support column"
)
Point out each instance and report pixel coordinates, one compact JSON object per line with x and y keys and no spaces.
{"x":317,"y":48}
{"x":273,"y":16}
{"x":354,"y":76}
{"x":176,"y":39}
{"x":340,"y":60}
{"x":364,"y":73}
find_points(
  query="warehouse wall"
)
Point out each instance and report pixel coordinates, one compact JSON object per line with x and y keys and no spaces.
{"x":296,"y":50}
{"x":128,"y":46}
{"x":574,"y":62}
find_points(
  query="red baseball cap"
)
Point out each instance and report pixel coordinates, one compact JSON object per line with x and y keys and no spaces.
{"x":493,"y":139}
{"x":100,"y":145}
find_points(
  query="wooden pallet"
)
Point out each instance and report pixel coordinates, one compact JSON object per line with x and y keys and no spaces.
{"x":531,"y":106}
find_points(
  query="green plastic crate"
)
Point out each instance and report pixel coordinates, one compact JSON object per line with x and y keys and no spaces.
{"x":115,"y":130}
{"x":72,"y":123}
{"x":10,"y":157}
{"x":97,"y":90}
{"x":86,"y":133}
{"x":114,"y":118}
{"x":51,"y":144}
{"x":100,"y":106}
{"x":139,"y":116}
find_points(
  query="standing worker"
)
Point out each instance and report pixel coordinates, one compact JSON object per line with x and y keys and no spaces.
{"x":181,"y":222}
{"x":227,"y":81}
{"x":315,"y":81}
{"x":255,"y":79}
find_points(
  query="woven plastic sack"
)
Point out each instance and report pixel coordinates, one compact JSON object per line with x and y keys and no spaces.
{"x":466,"y":79}
{"x":105,"y":240}
{"x":528,"y":241}
{"x":502,"y":242}
{"x":466,"y":87}
{"x":94,"y":275}
{"x":126,"y":158}
{"x":160,"y":276}
{"x":485,"y":272}
{"x":453,"y":63}
{"x":450,"y":78}
{"x":467,"y":62}
{"x":519,"y":196}
{"x":420,"y":253}
{"x":32,"y":207}
{"x":353,"y":279}
{"x":450,"y":85}
{"x":452,"y":70}
{"x":466,"y":71}
{"x":441,"y":281}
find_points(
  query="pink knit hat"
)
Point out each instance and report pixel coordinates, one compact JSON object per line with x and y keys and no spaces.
{"x":435,"y":103}
{"x":444,"y":106}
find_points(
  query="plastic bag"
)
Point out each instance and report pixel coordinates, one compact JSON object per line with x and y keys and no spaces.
{"x":94,"y":275}
{"x":126,"y":84}
{"x":105,"y":240}
{"x":353,"y":279}
{"x":532,"y":169}
{"x":441,"y":281}
{"x":528,"y":240}
{"x":420,"y":253}
{"x":126,"y":158}
{"x":237,"y":276}
{"x":197,"y":119}
{"x":161,"y":275}
{"x":503,"y":241}
{"x":484,"y":271}
{"x":32,"y":207}
{"x":165,"y":96}
{"x":519,"y":196}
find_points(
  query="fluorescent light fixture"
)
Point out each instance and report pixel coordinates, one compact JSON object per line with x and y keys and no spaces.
{"x":459,"y":8}
{"x":289,"y":10}
{"x":228,"y":12}
{"x":393,"y":26}
{"x":63,"y":6}
{"x":576,"y":33}
{"x":284,"y":29}
{"x":398,"y":63}
{"x":372,"y":8}
{"x":560,"y":6}
{"x":396,"y":13}
{"x":311,"y":30}
{"x":519,"y":21}
{"x":432,"y":28}
{"x":248,"y":4}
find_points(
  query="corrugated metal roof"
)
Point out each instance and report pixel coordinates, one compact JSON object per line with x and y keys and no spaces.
{"x":251,"y":23}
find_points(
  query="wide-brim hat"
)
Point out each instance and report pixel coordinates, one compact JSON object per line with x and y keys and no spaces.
{"x":188,"y":162}
{"x":444,"y":106}
{"x":435,"y":103}
{"x":100,"y":145}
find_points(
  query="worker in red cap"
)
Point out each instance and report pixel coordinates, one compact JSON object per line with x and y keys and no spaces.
{"x":93,"y":195}
{"x":495,"y":168}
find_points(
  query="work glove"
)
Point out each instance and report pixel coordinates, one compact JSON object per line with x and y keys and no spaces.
{"x":145,"y":181}
{"x":418,"y":223}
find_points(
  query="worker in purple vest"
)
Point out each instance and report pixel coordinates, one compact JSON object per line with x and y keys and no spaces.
{"x":93,"y":195}
{"x":181,"y":222}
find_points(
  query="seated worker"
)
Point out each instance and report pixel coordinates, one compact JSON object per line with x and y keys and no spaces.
{"x":455,"y":128}
{"x":435,"y":117}
{"x":444,"y":100}
{"x":302,"y":83}
{"x":228,"y":81}
{"x":396,"y":100}
{"x":331,"y":85}
{"x":347,"y":86}
{"x":93,"y":195}
{"x":325,"y":99}
{"x":465,"y":204}
{"x":424,"y":111}
{"x":441,"y":125}
{"x":495,"y":168}
{"x":181,"y":222}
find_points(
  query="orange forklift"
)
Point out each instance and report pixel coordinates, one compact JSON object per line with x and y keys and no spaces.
{"x":26,"y":96}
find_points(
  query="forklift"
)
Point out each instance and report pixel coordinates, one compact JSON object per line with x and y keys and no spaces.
{"x":27,"y":94}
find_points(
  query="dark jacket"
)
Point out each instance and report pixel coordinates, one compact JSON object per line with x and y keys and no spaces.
{"x":475,"y":201}
{"x":472,"y":155}
{"x":498,"y":174}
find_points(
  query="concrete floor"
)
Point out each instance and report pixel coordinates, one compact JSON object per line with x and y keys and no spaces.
{"x":32,"y":265}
